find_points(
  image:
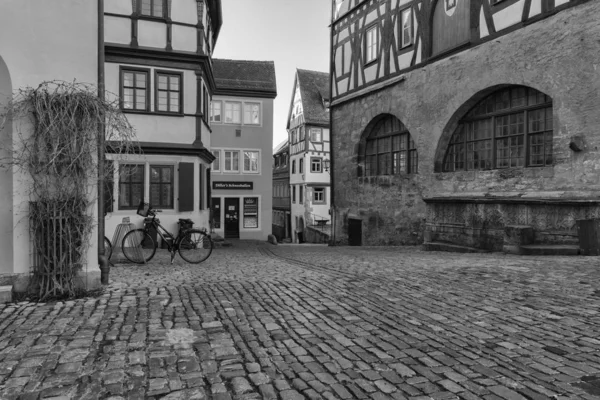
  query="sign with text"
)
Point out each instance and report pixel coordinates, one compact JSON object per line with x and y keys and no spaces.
{"x":233,"y":185}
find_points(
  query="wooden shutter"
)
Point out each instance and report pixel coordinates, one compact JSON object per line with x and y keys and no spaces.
{"x":208,"y":190}
{"x":200,"y":178}
{"x":186,"y":187}
{"x":108,"y":187}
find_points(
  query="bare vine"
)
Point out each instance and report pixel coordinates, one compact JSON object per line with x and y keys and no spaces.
{"x":55,"y":145}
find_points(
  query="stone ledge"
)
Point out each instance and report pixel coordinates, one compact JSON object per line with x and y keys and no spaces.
{"x":5,"y":294}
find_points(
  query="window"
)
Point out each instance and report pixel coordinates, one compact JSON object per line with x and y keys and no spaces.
{"x":216,"y":165}
{"x":315,"y":165}
{"x":300,"y":194}
{"x":152,"y":8}
{"x":233,"y":112}
{"x":135,"y":90}
{"x":161,"y":186}
{"x":250,"y":161}
{"x":510,"y":128}
{"x":215,"y":111}
{"x":168,"y":92}
{"x":131,"y":186}
{"x":389,"y":149}
{"x":252,"y":113}
{"x":293,"y":166}
{"x":319,"y":195}
{"x":315,"y":135}
{"x":372,"y":37}
{"x":302,"y":135}
{"x":232,"y":161}
{"x":250,"y":212}
{"x":301,"y":166}
{"x":293,"y":194}
{"x":407,"y":27}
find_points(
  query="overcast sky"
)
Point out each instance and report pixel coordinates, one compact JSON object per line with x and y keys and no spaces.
{"x":292,"y":33}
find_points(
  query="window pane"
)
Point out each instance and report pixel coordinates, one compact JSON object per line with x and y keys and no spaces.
{"x":128,"y":79}
{"x":146,"y":7}
{"x":162,"y":82}
{"x":154,"y":174}
{"x":174,"y":83}
{"x":235,"y":161}
{"x":140,"y":101}
{"x":127,"y":98}
{"x":174,"y":102}
{"x":137,"y":193}
{"x":140,"y":80}
{"x":158,"y":8}
{"x":166,"y":195}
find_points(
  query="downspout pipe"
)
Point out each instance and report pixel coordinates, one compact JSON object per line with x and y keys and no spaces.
{"x":102,"y":259}
{"x":331,"y":157}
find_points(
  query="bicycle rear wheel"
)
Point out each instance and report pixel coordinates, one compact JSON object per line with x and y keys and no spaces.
{"x":195,"y":246}
{"x":138,"y":246}
{"x":107,"y":248}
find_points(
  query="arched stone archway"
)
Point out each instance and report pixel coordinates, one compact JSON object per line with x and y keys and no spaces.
{"x":6,"y":176}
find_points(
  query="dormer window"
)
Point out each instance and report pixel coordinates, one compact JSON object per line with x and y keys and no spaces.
{"x":152,"y":8}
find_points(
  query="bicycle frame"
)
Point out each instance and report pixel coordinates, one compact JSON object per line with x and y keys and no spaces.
{"x":165,"y":235}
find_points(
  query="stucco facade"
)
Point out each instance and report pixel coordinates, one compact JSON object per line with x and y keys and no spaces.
{"x":31,"y":53}
{"x":555,"y":55}
{"x":242,"y":140}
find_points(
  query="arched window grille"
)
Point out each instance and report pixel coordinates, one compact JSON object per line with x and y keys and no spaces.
{"x":389,"y":149}
{"x":510,"y":128}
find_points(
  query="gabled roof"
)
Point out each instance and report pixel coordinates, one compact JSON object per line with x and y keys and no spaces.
{"x":280,"y":147}
{"x":241,"y":77}
{"x":314,"y":90}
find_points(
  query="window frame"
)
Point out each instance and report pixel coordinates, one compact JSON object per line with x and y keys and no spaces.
{"x":225,"y":170}
{"x":294,"y":194}
{"x":160,"y":183}
{"x":216,"y":167}
{"x":371,"y":46}
{"x":230,"y":102}
{"x":157,"y":74}
{"x":462,"y":147}
{"x":403,"y":42}
{"x":244,"y":151}
{"x":406,"y":147}
{"x":165,"y":10}
{"x":133,"y":206}
{"x":135,"y":70}
{"x":319,"y":190}
{"x":212,"y":111}
{"x":252,"y":103}
{"x":300,"y":194}
{"x":320,"y":133}
{"x":301,"y":166}
{"x":316,"y":161}
{"x":293,"y":166}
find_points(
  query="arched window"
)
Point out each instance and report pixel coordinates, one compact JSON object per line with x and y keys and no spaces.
{"x":293,"y":166}
{"x":509,"y":128}
{"x":389,"y":149}
{"x":301,"y":166}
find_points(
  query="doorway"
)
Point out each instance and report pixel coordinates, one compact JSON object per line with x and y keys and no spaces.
{"x":354,"y":232}
{"x":232,"y":219}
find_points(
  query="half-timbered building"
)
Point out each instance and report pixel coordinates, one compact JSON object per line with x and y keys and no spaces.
{"x":465,"y":124}
{"x":282,"y":217}
{"x":308,"y":135}
{"x":158,"y":61}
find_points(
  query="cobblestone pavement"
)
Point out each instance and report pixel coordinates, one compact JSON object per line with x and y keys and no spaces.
{"x":292,"y":322}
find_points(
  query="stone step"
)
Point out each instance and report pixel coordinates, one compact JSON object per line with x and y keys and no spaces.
{"x":441,"y":246}
{"x":550,"y":250}
{"x":5,"y":294}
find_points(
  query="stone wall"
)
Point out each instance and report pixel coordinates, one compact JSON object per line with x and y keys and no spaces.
{"x":559,"y":56}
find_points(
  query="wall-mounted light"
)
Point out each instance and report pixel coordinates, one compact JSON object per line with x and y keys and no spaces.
{"x":326,"y":165}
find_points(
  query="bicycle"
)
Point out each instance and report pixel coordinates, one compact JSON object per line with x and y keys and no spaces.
{"x":138,"y":246}
{"x":107,"y":248}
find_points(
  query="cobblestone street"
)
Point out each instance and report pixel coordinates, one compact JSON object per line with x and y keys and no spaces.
{"x":292,"y":322}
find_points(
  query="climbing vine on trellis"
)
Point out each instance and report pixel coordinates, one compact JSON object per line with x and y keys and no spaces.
{"x":55,"y":147}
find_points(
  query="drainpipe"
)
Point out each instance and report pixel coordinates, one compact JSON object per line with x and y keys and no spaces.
{"x":102,"y":260}
{"x":331,"y":161}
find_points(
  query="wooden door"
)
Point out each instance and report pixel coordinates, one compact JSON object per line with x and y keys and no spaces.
{"x":232,"y":218}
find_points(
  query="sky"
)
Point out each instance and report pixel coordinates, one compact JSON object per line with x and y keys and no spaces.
{"x":292,"y":33}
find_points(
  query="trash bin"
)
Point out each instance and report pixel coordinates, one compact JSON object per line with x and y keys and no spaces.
{"x":184,"y":225}
{"x":151,"y":230}
{"x":589,"y":236}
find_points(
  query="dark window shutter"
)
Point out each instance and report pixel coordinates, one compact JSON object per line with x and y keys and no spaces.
{"x":200,"y":178}
{"x":186,"y":187}
{"x":208,"y":190}
{"x":108,"y":186}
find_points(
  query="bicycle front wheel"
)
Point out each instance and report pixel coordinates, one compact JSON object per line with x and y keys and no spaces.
{"x":195,"y":246}
{"x":138,"y":246}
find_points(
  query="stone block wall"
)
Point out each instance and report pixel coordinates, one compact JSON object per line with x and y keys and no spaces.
{"x":559,"y":56}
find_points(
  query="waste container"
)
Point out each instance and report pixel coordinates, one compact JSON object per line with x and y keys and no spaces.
{"x":589,"y":236}
{"x":184,"y":225}
{"x":151,"y":231}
